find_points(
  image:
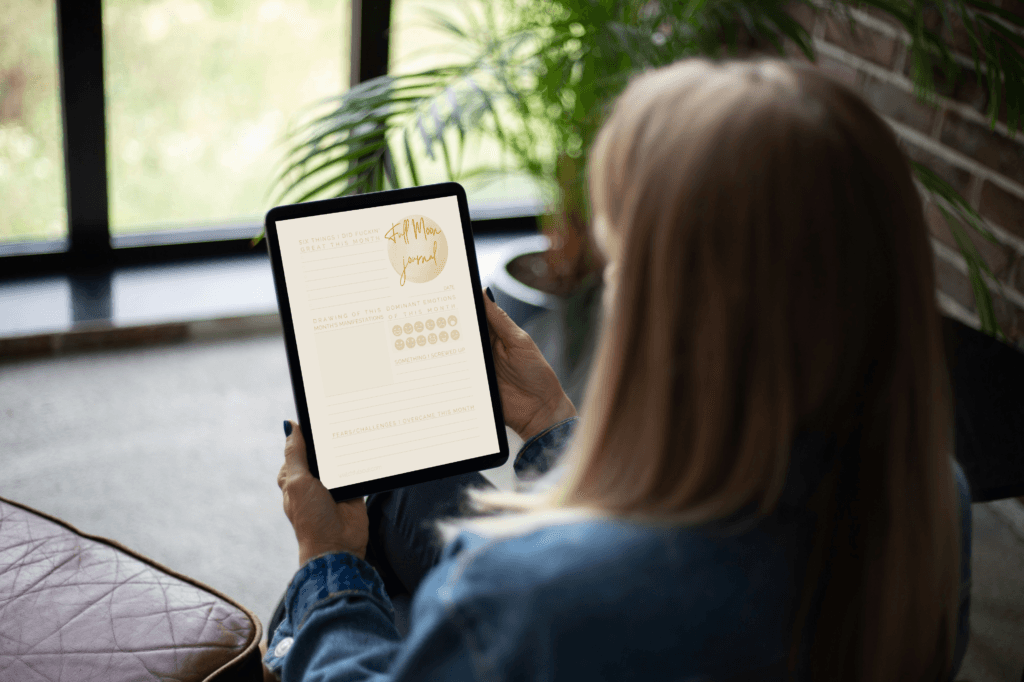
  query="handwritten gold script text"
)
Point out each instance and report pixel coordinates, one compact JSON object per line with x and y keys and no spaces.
{"x":419,"y":260}
{"x":417,"y":226}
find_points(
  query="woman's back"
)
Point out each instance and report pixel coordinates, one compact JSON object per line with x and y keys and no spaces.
{"x":587,"y":599}
{"x":612,"y":600}
{"x":617,"y":600}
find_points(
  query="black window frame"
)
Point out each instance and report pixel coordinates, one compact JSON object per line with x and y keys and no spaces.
{"x":89,"y":246}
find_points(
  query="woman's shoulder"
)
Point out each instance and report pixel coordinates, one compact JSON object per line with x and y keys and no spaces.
{"x":618,"y":557}
{"x":568,"y":536}
{"x":547,"y":550}
{"x":607,"y":586}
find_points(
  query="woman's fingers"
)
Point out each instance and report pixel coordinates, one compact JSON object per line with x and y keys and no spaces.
{"x":321,"y":525}
{"x":497,"y":331}
{"x":530,"y":391}
{"x":295,"y":449}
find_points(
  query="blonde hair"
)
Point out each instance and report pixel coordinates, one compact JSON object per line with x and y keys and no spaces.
{"x":775,"y":278}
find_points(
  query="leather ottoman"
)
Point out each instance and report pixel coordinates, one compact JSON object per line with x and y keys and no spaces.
{"x":80,"y":608}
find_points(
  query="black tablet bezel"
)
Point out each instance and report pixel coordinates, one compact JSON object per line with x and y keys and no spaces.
{"x":353,"y":203}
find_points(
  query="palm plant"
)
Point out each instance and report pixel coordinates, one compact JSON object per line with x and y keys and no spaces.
{"x":538,"y":73}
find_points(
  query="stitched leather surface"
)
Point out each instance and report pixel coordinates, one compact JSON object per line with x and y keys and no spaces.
{"x":76,"y":609}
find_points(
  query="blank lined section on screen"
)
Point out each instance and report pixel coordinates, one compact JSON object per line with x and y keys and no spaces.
{"x":406,"y":395}
{"x":428,"y":433}
{"x":344,"y":275}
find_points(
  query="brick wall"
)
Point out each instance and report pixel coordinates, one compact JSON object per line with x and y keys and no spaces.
{"x":952,"y":138}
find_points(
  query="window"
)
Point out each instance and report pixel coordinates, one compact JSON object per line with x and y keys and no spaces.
{"x":176,"y":154}
{"x":31,"y":155}
{"x":199,"y":94}
{"x":418,"y":44}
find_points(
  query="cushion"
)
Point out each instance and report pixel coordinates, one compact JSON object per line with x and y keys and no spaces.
{"x":79,"y":607}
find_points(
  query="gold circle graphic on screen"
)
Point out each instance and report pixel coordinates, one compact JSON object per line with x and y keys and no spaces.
{"x":443,"y":336}
{"x":399,"y":344}
{"x":418,"y":326}
{"x":452,"y":320}
{"x":408,"y":327}
{"x":441,"y":323}
{"x":411,"y":342}
{"x":432,"y":338}
{"x":429,"y":324}
{"x":455,"y":335}
{"x":422,"y":340}
{"x":417,"y":249}
{"x":397,"y":330}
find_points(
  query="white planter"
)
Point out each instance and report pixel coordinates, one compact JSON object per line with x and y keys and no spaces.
{"x":520,"y":301}
{"x":542,"y":315}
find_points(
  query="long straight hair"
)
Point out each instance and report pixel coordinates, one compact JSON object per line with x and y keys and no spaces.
{"x":774,"y":277}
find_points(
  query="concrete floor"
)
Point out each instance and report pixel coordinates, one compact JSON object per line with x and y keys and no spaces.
{"x":173,"y":451}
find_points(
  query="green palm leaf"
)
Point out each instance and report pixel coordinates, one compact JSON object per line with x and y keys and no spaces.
{"x":538,"y":84}
{"x":938,"y":187}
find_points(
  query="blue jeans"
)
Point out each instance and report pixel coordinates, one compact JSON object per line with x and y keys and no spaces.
{"x":402,"y":546}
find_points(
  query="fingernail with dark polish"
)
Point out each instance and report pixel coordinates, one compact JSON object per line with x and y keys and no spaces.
{"x":490,"y":295}
{"x":287,"y":428}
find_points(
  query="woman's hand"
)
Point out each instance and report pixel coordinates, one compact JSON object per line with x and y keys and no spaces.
{"x":531,"y":397}
{"x":321,"y":524}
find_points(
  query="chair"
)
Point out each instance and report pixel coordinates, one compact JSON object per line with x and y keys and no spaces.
{"x":986,"y":376}
{"x":80,"y":607}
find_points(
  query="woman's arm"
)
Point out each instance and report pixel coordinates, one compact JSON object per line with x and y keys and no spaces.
{"x":337,"y":596}
{"x":340,"y":597}
{"x":339,"y":622}
{"x":339,"y":625}
{"x":540,"y":453}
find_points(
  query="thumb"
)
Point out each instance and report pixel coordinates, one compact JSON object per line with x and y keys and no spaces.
{"x":500,"y":322}
{"x":295,"y":447}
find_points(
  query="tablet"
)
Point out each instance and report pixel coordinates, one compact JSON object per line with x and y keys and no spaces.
{"x":387,"y":339}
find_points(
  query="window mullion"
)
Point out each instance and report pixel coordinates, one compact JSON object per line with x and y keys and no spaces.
{"x":80,"y":58}
{"x":371,"y":24}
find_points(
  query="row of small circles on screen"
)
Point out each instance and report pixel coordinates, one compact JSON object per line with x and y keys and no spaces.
{"x":422,"y":340}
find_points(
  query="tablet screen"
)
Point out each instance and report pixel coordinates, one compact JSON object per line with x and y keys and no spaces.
{"x":388,"y":340}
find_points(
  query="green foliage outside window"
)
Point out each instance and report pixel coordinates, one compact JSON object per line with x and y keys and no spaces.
{"x":32,"y":204}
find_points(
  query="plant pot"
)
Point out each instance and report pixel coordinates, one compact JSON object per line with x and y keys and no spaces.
{"x":563,"y":327}
{"x":521,"y":301}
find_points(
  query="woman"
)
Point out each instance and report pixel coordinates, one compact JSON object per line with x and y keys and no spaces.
{"x":762,"y":486}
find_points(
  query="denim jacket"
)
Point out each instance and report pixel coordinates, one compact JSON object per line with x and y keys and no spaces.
{"x":586,"y":600}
